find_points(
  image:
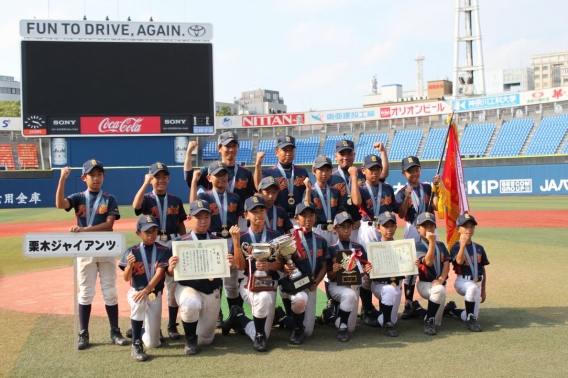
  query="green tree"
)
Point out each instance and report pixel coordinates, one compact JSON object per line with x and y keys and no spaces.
{"x":10,"y":109}
{"x":225,"y":110}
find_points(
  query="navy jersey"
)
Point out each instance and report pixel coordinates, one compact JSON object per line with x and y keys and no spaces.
{"x":335,"y":195}
{"x":322,"y":254}
{"x":283,"y":223}
{"x":245,"y":238}
{"x":203,"y":285}
{"x":428,"y":273}
{"x":139,"y":280}
{"x":332,"y":259}
{"x":465,"y":269}
{"x":300,"y":175}
{"x":107,"y":207}
{"x":235,"y":209}
{"x":243,"y":186}
{"x":411,"y":211}
{"x":367,"y":208}
{"x":175,"y":215}
{"x":337,"y":182}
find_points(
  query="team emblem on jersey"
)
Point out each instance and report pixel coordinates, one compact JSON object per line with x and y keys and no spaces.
{"x":103,"y":209}
{"x":232,"y":207}
{"x":173,"y":210}
{"x":241,"y":184}
{"x":138,"y":268}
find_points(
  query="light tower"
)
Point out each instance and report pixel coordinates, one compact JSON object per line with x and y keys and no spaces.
{"x":419,"y":59}
{"x":464,"y":78}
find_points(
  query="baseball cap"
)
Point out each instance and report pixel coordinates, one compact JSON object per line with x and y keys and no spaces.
{"x":90,"y":164}
{"x":322,"y":161}
{"x":385,"y":217}
{"x":342,"y":217}
{"x":425,"y":217}
{"x":216,"y":167}
{"x":462,"y":219}
{"x":371,"y":161}
{"x":305,"y":205}
{"x":267,"y":182}
{"x":157,"y":167}
{"x":198,"y":206}
{"x":145,"y":222}
{"x":344,"y":144}
{"x":285,"y":140}
{"x":409,"y":162}
{"x":253,"y":202}
{"x":227,"y":137}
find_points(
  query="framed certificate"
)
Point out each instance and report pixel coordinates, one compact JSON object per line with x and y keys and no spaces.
{"x":392,"y":259}
{"x":201,"y":259}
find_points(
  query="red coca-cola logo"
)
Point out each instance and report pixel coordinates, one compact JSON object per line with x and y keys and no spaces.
{"x":385,"y":112}
{"x":120,"y":125}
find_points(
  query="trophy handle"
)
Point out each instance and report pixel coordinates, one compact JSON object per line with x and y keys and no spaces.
{"x":245,"y":248}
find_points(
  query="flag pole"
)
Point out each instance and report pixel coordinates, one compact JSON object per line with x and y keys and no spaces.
{"x":444,"y":149}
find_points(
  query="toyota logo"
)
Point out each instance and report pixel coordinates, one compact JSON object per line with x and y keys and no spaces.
{"x":196,"y":30}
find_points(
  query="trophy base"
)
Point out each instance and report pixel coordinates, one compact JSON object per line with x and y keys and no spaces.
{"x":294,"y":286}
{"x":264,"y":283}
{"x":348,"y":279}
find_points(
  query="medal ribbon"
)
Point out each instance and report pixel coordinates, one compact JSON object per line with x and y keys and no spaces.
{"x":326,"y":202}
{"x":88,"y":214}
{"x":437,"y":259}
{"x":222,"y":208}
{"x":356,"y":258}
{"x":262,"y":238}
{"x":347,"y":181}
{"x":298,"y":234}
{"x":418,"y":203}
{"x":231,"y":183}
{"x":472,"y":264}
{"x":274,"y":219}
{"x":375,"y":200}
{"x":312,"y":257}
{"x":289,"y":183}
{"x":162,"y":210}
{"x":149,"y":270}
{"x":194,"y":237}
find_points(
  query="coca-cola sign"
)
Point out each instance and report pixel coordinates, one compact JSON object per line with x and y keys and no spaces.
{"x":120,"y":125}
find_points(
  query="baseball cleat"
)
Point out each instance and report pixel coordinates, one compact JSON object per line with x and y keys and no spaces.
{"x":326,"y":315}
{"x":231,"y":321}
{"x":83,"y":340}
{"x":117,"y":337}
{"x":449,"y":307}
{"x":408,"y":311}
{"x":138,"y":352}
{"x":472,"y":324}
{"x":389,"y":330}
{"x":173,"y":332}
{"x":370,"y":317}
{"x":297,"y":337}
{"x":260,"y":342}
{"x":129,"y":332}
{"x":342,"y":335}
{"x":191,"y":345}
{"x":430,"y":327}
{"x":162,"y":338}
{"x":279,"y":315}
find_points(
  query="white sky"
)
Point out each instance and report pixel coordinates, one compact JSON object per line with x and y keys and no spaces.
{"x":320,"y":53}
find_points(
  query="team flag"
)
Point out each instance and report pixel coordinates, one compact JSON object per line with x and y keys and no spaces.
{"x":452,"y":193}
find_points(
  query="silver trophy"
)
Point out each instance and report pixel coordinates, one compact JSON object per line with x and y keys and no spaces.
{"x":260,"y":280}
{"x":285,"y":246}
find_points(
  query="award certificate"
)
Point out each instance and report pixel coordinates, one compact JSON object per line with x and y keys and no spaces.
{"x":392,"y":259}
{"x":201,"y":259}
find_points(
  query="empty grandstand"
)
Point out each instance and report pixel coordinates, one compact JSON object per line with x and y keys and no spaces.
{"x":405,"y":143}
{"x":244,"y":156}
{"x":306,"y":150}
{"x":329,"y":145}
{"x":434,"y":144}
{"x":365,"y":145}
{"x":548,"y":136}
{"x":512,"y":137}
{"x":475,"y":139}
{"x":209,"y":151}
{"x":268,"y":147}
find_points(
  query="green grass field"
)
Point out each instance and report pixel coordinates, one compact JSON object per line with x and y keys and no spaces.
{"x":525,"y":323}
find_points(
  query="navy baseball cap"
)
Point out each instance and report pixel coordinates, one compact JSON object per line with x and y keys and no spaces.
{"x":157,"y":167}
{"x":253,"y":202}
{"x":285,"y":140}
{"x":409,"y":162}
{"x":227,"y":138}
{"x":216,"y":167}
{"x":464,"y":218}
{"x":344,"y":144}
{"x":267,"y":182}
{"x":322,"y":161}
{"x":342,"y":217}
{"x":371,"y":161}
{"x":425,"y":217}
{"x":146,"y":222}
{"x":90,"y":164}
{"x":198,"y":206}
{"x":385,"y":217}
{"x":305,"y":205}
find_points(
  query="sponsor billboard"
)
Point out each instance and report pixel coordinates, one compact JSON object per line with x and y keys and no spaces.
{"x":10,"y":124}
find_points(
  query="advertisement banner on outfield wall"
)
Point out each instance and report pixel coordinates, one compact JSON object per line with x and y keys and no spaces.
{"x":10,"y":124}
{"x":544,"y":96}
{"x":511,"y":180}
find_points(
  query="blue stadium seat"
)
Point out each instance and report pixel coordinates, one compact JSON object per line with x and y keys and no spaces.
{"x":268,"y":147}
{"x":475,"y":139}
{"x":245,"y":152}
{"x":365,"y":145}
{"x":512,"y":137}
{"x":565,"y":150}
{"x":307,"y":150}
{"x":329,"y":145}
{"x":548,"y":136}
{"x":434,"y":144}
{"x":405,"y":143}
{"x":209,"y":151}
